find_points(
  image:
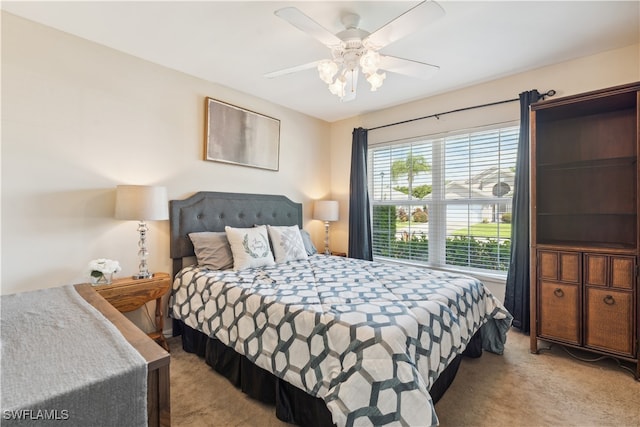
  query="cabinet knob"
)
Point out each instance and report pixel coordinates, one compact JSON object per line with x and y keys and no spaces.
{"x":609,"y":300}
{"x":558,"y":292}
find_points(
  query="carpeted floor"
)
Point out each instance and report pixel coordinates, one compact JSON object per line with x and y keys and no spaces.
{"x":515,"y":389}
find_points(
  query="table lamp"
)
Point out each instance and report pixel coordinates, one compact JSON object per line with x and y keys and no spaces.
{"x":326,"y":210}
{"x":142,"y":203}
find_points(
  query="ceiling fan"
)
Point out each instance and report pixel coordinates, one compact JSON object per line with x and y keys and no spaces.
{"x":355,"y":49}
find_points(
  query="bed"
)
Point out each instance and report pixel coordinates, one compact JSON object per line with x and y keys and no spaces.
{"x":330,"y":340}
{"x":69,"y":356}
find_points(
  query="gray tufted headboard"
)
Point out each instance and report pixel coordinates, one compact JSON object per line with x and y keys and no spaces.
{"x":211,"y":211}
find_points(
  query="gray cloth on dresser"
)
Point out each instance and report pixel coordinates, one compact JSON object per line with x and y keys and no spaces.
{"x":64,"y":363}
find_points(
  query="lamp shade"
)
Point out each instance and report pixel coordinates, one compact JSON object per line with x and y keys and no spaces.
{"x":326,"y":210}
{"x":141,"y":203}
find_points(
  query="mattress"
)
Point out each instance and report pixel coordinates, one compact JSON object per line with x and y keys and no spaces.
{"x":368,"y":338}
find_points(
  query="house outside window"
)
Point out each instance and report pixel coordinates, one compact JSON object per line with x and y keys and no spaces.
{"x":445,"y":201}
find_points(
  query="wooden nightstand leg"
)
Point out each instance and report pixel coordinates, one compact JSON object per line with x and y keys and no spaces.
{"x":160,"y":325}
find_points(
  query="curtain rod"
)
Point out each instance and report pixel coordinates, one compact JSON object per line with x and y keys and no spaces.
{"x":437,"y":116}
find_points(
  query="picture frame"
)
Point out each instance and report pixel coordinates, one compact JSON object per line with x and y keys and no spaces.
{"x":242,"y":137}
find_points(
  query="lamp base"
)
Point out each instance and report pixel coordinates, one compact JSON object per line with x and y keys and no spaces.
{"x":143,"y":270}
{"x":326,"y":238}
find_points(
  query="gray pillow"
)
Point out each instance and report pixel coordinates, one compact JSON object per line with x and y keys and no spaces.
{"x":212,"y":250}
{"x":308,"y":244}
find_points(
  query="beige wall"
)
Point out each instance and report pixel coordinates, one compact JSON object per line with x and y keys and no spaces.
{"x":79,"y":119}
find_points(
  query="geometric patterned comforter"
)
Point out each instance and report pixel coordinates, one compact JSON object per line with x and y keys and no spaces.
{"x":368,"y":338}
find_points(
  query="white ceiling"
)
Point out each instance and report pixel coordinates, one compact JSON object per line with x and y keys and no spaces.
{"x":235,"y":43}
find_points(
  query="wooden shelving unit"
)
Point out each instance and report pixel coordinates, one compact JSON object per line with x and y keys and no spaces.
{"x":584,"y":222}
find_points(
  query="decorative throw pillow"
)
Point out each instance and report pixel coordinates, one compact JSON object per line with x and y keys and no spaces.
{"x":212,"y":250}
{"x":287,"y":243}
{"x":250,"y":247}
{"x":308,"y":244}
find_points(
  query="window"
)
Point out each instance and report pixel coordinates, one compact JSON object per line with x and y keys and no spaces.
{"x":445,"y":201}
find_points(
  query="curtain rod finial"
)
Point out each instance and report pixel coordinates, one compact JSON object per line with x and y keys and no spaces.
{"x":550,"y":92}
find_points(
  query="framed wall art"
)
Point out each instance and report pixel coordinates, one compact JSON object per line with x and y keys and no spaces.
{"x":242,"y":137}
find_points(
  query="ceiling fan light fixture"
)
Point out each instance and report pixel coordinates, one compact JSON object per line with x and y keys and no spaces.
{"x":327,"y":70}
{"x":338,"y":86}
{"x":370,"y":61}
{"x":375,"y":80}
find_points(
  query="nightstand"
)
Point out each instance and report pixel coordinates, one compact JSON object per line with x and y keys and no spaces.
{"x":129,"y":294}
{"x":334,"y":253}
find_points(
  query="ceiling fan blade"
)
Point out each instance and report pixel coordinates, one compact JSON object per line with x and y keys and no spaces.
{"x":302,"y":22}
{"x":290,"y":70}
{"x":408,"y":67}
{"x":351,"y":87}
{"x":409,"y":22}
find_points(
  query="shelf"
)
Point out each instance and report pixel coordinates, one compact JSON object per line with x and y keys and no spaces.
{"x":601,"y":228}
{"x":588,"y":164}
{"x":585,"y":214}
{"x":597,"y":246}
{"x":610,"y":135}
{"x":603,"y":187}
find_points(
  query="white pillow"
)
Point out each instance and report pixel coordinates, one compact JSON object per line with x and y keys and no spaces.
{"x":250,"y":247}
{"x":287,"y":243}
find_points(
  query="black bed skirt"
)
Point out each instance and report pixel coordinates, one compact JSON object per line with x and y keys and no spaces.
{"x":292,"y":404}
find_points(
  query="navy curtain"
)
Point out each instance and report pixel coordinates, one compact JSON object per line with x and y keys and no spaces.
{"x":359,"y":215}
{"x":517,"y":296}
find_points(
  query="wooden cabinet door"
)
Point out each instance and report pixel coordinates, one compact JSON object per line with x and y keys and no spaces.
{"x":609,"y":311}
{"x":548,"y":265}
{"x":559,"y":302}
{"x":596,"y":269}
{"x":617,"y":271}
{"x":623,"y":272}
{"x":559,"y":266}
{"x":559,"y":311}
{"x":609,"y":320}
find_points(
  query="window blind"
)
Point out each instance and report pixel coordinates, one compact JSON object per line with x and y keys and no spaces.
{"x":445,"y":201}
